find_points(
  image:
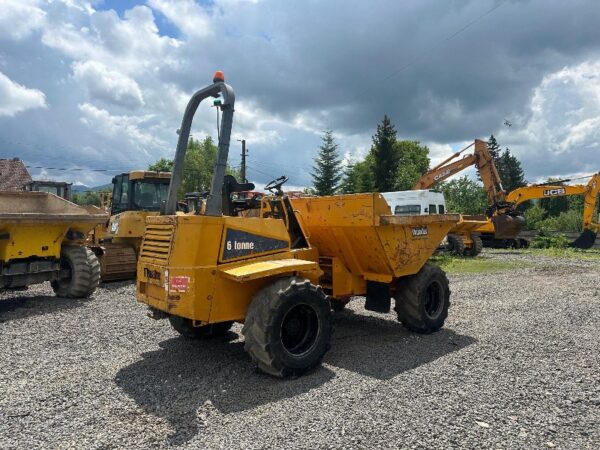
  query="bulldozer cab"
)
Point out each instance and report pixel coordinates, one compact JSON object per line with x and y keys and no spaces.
{"x":139,"y":191}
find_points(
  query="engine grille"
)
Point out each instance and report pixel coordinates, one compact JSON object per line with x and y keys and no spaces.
{"x":156,"y":245}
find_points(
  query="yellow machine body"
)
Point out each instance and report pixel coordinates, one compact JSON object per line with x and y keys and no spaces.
{"x":466,"y":226}
{"x":35,"y":224}
{"x":190,"y":268}
{"x":117,"y":242}
{"x":37,"y":229}
{"x":202,"y":267}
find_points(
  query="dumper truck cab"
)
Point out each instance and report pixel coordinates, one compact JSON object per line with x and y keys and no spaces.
{"x":282,"y":272}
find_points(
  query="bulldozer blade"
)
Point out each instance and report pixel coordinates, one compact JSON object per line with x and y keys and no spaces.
{"x":508,"y":227}
{"x":585,"y":240}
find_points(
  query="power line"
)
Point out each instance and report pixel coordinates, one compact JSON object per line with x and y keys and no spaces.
{"x":442,"y":42}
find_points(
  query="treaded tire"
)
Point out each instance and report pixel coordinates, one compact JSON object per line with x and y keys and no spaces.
{"x":475,"y":248}
{"x":339,"y":305}
{"x":455,"y":245}
{"x":288,"y":327}
{"x":186,"y":328}
{"x":414,"y":305}
{"x":85,"y":273}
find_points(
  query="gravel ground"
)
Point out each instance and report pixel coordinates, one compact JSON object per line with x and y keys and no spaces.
{"x":517,"y":366}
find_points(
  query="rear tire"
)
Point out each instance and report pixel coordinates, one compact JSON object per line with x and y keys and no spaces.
{"x":455,"y":245}
{"x":423,"y":299}
{"x":476,"y":247}
{"x":288,"y":327}
{"x":84,"y":275}
{"x":186,"y":328}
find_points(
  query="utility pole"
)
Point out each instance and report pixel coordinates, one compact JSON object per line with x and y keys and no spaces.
{"x":243,"y":165}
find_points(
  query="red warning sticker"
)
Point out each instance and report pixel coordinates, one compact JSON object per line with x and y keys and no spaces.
{"x":179,"y":283}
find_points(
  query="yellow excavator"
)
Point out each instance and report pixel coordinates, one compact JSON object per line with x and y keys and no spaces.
{"x":135,"y":196}
{"x":502,"y":217}
{"x":553,"y":189}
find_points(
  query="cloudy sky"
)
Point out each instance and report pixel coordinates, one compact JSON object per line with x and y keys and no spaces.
{"x":102,"y":85}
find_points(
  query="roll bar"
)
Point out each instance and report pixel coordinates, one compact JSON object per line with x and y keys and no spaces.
{"x":214,"y":203}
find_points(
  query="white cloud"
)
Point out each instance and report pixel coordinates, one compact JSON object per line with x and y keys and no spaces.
{"x":131,"y":45}
{"x":131,"y":128}
{"x":15,"y":98}
{"x":108,"y":85}
{"x":562,"y":130}
{"x":298,"y":71}
{"x":187,"y":15}
{"x":19,"y":18}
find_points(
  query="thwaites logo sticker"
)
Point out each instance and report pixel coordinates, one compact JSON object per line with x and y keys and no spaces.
{"x":152,"y":275}
{"x":241,"y":243}
{"x":554,"y":192}
{"x":179,"y":284}
{"x":419,"y":232}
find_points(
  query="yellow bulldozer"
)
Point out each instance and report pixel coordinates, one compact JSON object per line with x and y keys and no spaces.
{"x":281,"y":273}
{"x":135,"y":196}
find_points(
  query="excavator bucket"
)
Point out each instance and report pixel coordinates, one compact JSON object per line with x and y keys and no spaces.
{"x":585,"y":240}
{"x":507,"y":227}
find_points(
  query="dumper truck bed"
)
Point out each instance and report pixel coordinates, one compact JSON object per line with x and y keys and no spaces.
{"x":44,"y":207}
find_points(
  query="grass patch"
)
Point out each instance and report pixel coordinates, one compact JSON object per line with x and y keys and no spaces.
{"x":480,"y":264}
{"x":566,"y":253}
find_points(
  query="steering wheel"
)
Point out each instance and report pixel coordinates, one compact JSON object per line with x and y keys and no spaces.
{"x":276,"y":184}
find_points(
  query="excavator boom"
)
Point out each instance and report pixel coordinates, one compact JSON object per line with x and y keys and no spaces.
{"x":506,"y":224}
{"x":548,"y":190}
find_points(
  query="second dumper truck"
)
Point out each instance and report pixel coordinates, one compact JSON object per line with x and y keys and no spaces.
{"x":280,"y":273}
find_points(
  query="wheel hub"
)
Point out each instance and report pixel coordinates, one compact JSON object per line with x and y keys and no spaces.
{"x":434,"y":300}
{"x":299,"y":329}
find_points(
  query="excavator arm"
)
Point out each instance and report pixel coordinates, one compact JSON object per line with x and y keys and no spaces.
{"x":540,"y":191}
{"x":590,"y":204}
{"x":481,"y":158}
{"x":590,"y":192}
{"x":445,"y":170}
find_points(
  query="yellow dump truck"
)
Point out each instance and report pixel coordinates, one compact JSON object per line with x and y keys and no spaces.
{"x":279,"y":273}
{"x":42,"y":239}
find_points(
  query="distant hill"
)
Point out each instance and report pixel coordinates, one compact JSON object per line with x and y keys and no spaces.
{"x":84,"y":188}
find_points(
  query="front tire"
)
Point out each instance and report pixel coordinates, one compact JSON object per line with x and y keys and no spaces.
{"x":186,"y":328}
{"x":83,"y":270}
{"x":423,"y":299}
{"x":455,"y":245}
{"x":476,"y":247}
{"x":288,"y":327}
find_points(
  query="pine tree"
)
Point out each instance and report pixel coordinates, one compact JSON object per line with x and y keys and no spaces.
{"x":493,"y":147}
{"x":327,"y":170}
{"x":510,"y":171}
{"x":349,"y":182}
{"x":385,"y":156}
